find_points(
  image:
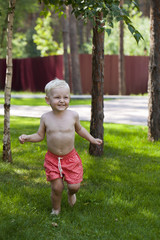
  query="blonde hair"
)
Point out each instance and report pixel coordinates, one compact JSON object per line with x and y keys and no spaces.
{"x":56,"y":83}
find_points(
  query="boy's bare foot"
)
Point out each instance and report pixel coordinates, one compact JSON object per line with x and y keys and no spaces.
{"x":72,"y":199}
{"x":55,"y":212}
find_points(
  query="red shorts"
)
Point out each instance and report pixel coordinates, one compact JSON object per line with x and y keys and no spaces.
{"x":68,"y":167}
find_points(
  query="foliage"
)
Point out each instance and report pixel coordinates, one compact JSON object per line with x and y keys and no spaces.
{"x":49,"y":28}
{"x":31,"y":48}
{"x":117,"y":201}
{"x":3,"y":27}
{"x":130,"y":47}
{"x":90,"y":10}
{"x":22,"y":21}
{"x":23,"y":45}
{"x":44,"y":37}
{"x":111,"y":43}
{"x":19,"y":40}
{"x":24,"y":14}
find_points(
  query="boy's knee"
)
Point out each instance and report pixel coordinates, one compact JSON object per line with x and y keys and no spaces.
{"x":57,"y":187}
{"x":73,"y":188}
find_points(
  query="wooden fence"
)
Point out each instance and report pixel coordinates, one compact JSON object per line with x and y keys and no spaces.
{"x":33,"y":73}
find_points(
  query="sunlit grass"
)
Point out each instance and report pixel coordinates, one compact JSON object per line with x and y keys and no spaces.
{"x":38,"y":99}
{"x":42,"y":102}
{"x":118,"y":199}
{"x":22,"y":92}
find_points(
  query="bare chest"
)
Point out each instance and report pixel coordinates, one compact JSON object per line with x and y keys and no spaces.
{"x":60,"y":126}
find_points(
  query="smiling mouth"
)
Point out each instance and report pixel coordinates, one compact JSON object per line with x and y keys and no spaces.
{"x":61,"y":105}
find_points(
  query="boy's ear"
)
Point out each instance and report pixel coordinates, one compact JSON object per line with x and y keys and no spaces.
{"x":47,"y":100}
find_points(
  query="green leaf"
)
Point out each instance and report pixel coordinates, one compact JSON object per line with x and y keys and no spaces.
{"x":131,"y":28}
{"x":126,"y":19}
{"x":136,"y":4}
{"x":119,"y":18}
{"x":138,"y":36}
{"x":108,"y":30}
{"x":46,"y":2}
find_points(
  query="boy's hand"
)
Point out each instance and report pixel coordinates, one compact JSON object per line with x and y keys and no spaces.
{"x":97,"y":141}
{"x":23,"y":138}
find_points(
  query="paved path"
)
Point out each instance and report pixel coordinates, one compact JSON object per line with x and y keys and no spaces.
{"x":126,"y":110}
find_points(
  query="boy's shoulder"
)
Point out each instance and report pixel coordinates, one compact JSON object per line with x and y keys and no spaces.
{"x":73,"y":113}
{"x":45,"y":115}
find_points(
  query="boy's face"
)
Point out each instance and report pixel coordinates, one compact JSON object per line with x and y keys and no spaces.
{"x":59,"y":98}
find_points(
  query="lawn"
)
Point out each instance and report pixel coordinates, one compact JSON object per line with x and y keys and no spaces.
{"x":36,"y":100}
{"x":42,"y":102}
{"x":118,"y":200}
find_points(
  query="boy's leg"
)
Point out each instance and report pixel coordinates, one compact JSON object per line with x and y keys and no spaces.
{"x":56,"y":194}
{"x":72,"y":190}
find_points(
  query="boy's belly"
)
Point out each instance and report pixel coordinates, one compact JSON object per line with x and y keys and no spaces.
{"x":61,"y":144}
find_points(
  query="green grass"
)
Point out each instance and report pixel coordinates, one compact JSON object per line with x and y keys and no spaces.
{"x":23,"y":92}
{"x":42,"y":102}
{"x":118,"y":199}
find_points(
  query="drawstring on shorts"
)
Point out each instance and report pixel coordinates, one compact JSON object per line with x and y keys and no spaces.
{"x":59,"y":166}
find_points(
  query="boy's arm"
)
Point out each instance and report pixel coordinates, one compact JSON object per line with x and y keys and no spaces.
{"x":36,"y":137}
{"x":81,"y":131}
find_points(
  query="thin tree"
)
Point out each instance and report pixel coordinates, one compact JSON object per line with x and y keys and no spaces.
{"x":96,"y":127}
{"x":89,"y":28}
{"x":154,"y":73}
{"x":75,"y":63}
{"x":7,"y":156}
{"x":144,"y":6}
{"x":121,"y":59}
{"x":80,"y":33}
{"x":65,"y":30}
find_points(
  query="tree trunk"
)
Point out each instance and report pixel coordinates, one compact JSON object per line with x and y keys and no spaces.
{"x":121,"y":65}
{"x":7,"y":156}
{"x":89,"y":27}
{"x":80,"y":31}
{"x":144,"y":6}
{"x":76,"y":77}
{"x":154,"y":73}
{"x":97,"y":115}
{"x":65,"y":27}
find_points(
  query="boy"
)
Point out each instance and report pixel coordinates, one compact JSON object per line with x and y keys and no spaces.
{"x":62,"y":162}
